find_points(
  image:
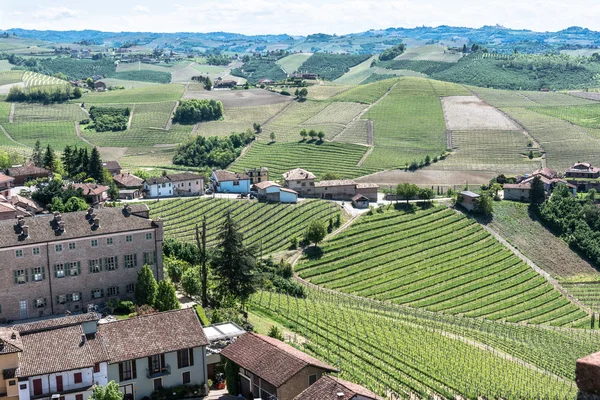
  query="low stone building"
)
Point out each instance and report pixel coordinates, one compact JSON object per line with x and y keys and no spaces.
{"x":339,"y":189}
{"x":360,"y":201}
{"x":468,"y":199}
{"x":6,"y":183}
{"x":517,"y":191}
{"x":301,"y":181}
{"x":92,"y":192}
{"x":129,"y":185}
{"x":332,"y":388}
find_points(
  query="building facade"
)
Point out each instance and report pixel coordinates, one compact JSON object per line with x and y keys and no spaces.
{"x":25,"y":173}
{"x":301,"y":181}
{"x":583,"y":170}
{"x":230,"y":182}
{"x":183,"y":184}
{"x":258,"y":175}
{"x":60,"y":263}
{"x":6,"y":183}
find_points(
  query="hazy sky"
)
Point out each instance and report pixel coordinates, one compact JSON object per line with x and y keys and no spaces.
{"x":299,"y":17}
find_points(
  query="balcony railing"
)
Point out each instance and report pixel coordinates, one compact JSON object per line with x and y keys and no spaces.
{"x":155,"y":373}
{"x":66,"y":389}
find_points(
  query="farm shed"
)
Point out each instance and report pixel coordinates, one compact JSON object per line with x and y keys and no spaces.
{"x":369,"y":190}
{"x":272,"y":191}
{"x":100,"y":86}
{"x":340,"y":189}
{"x":270,"y":367}
{"x":360,"y":201}
{"x":468,"y":199}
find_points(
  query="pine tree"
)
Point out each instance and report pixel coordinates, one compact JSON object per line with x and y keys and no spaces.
{"x":537,"y":194}
{"x":36,"y":157}
{"x":95,"y":166}
{"x":166,"y":297}
{"x":49,"y":157}
{"x":67,"y":160}
{"x":83,"y":160}
{"x":145,"y":287}
{"x":233,"y":263}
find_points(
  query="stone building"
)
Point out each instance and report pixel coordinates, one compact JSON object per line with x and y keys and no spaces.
{"x":58,"y":263}
{"x":301,"y":181}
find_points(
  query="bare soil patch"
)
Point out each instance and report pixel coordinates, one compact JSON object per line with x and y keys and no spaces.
{"x":584,"y":95}
{"x":428,"y":177}
{"x":240,"y":98}
{"x":463,"y":113}
{"x":4,"y":89}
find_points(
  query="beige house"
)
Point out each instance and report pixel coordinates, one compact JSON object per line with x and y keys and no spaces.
{"x":270,"y":367}
{"x":10,"y":349}
{"x":517,"y":191}
{"x":301,"y":181}
{"x":64,"y":262}
{"x":92,"y":192}
{"x":6,"y":183}
{"x":340,"y":189}
{"x":187,"y":184}
{"x":258,"y":175}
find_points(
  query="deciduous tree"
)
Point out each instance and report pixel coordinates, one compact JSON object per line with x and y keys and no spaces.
{"x":315,"y":232}
{"x":145,"y":287}
{"x":109,"y":392}
{"x":537,"y":194}
{"x":166,"y":297}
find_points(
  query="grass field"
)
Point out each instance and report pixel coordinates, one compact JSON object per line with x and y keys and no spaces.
{"x":34,"y":112}
{"x":267,"y":226}
{"x":423,"y":355}
{"x":325,"y":91}
{"x":587,"y":116}
{"x":429,"y":53}
{"x":292,"y":62}
{"x":127,"y":84}
{"x":441,"y":261}
{"x":150,"y":94}
{"x":339,"y":158}
{"x":8,"y":77}
{"x":5,"y":65}
{"x":144,"y":76}
{"x":209,"y":69}
{"x":358,"y":73}
{"x":367,"y":93}
{"x":56,"y":133}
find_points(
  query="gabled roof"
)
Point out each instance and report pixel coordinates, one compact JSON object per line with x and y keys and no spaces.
{"x":521,"y":185}
{"x":332,"y":388}
{"x":6,"y":178}
{"x":7,"y":208}
{"x":547,"y":172}
{"x":55,"y":323}
{"x":27,"y":170}
{"x":271,"y":359}
{"x":288,"y":190}
{"x":366,"y":185}
{"x":17,"y":200}
{"x":91,"y":189}
{"x":224,"y":176}
{"x":111,"y":165}
{"x":157,"y":180}
{"x":360,"y":197}
{"x":152,"y":334}
{"x":128,"y":180}
{"x":468,"y":193}
{"x":298,"y":174}
{"x":335,"y":182}
{"x":266,"y":184}
{"x":184,"y":176}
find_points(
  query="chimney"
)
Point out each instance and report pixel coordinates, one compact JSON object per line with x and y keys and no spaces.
{"x":61,"y":226}
{"x":57,"y":216}
{"x":25,"y":230}
{"x":83,"y":339}
{"x":93,"y":216}
{"x":21,"y":221}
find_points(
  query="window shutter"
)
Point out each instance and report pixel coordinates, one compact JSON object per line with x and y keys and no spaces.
{"x":32,"y":274}
{"x":135,"y":260}
{"x":57,"y":299}
{"x":150,"y":364}
{"x":15,"y":273}
{"x":55,"y":274}
{"x":101,"y":292}
{"x":120,"y":372}
{"x":116,"y":262}
{"x":26,"y":275}
{"x":191,"y":357}
{"x":179,"y":359}
{"x":100,"y":264}
{"x":162,"y":360}
{"x":92,"y":295}
{"x":91,"y":264}
{"x":133,"y":369}
{"x":43,"y":273}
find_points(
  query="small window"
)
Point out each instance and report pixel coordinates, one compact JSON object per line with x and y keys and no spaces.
{"x":19,"y":253}
{"x":97,"y":294}
{"x":129,"y":238}
{"x":72,"y":246}
{"x":149,"y":236}
{"x":12,"y":382}
{"x":94,"y":242}
{"x":58,"y":248}
{"x":109,"y":241}
{"x":95,"y":266}
{"x":312,"y":379}
{"x":37,"y":273}
{"x":96,"y":368}
{"x":110,"y":263}
{"x":236,"y":183}
{"x":130,"y":288}
{"x":157,"y":384}
{"x":21,"y":276}
{"x":39,"y":303}
{"x":73,"y":297}
{"x":77,"y":378}
{"x":36,"y":251}
{"x":150,"y":258}
{"x":79,"y":396}
{"x":130,"y":260}
{"x":61,"y":299}
{"x":113,"y":291}
{"x":74,"y":268}
{"x":186,"y":377}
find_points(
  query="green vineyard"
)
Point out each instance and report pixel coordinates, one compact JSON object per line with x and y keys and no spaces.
{"x":422,"y":354}
{"x":269,"y":227}
{"x":441,"y":261}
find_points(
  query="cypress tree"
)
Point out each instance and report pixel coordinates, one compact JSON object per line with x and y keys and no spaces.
{"x":49,"y":157}
{"x":67,"y":159}
{"x":95,"y":166}
{"x":145,"y":287}
{"x":36,"y":157}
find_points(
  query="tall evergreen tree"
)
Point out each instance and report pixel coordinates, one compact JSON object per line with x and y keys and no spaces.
{"x":537,"y":194}
{"x":145,"y":287}
{"x":67,"y":160}
{"x":95,"y":166}
{"x":166,"y":297}
{"x":36,"y":157}
{"x":234,"y":264}
{"x":49,"y":158}
{"x":83,"y":160}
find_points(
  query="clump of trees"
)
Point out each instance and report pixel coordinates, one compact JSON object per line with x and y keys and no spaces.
{"x":392,"y":52}
{"x":213,"y":151}
{"x":161,"y":296}
{"x":198,"y":110}
{"x":109,"y":119}
{"x":41,"y":94}
{"x":218,"y":60}
{"x":205,"y":80}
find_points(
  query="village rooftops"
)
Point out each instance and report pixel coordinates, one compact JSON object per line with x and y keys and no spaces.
{"x":5,"y":178}
{"x":128,"y":180}
{"x":78,"y":224}
{"x":157,"y":180}
{"x":298,"y":174}
{"x":224,"y":176}
{"x":332,"y":388}
{"x":111,"y":165}
{"x":152,"y":334}
{"x":26,"y":170}
{"x":57,"y":350}
{"x":55,"y":323}
{"x":269,"y":358}
{"x":10,"y":341}
{"x":266,"y":184}
{"x":184,"y":176}
{"x":583,"y":167}
{"x":547,"y":172}
{"x":90,"y":188}
{"x":336,"y":182}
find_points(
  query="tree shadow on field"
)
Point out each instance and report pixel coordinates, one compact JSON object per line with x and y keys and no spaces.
{"x":313,"y":252}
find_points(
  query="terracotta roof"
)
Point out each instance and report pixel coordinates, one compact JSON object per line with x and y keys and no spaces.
{"x":128,"y":180}
{"x":185,"y":176}
{"x":7,"y":208}
{"x":10,"y":341}
{"x":41,"y":228}
{"x":360,"y":197}
{"x":545,"y":180}
{"x":266,"y":184}
{"x":336,"y":182}
{"x":90,"y":188}
{"x":517,"y":186}
{"x":157,"y":180}
{"x":329,"y":388}
{"x":152,"y":334}
{"x":366,"y":185}
{"x":54,"y":350}
{"x":55,"y":323}
{"x":26,"y":170}
{"x":6,"y":178}
{"x":17,"y":200}
{"x":271,"y":359}
{"x":223,"y":176}
{"x":111,"y":165}
{"x":583,"y":167}
{"x":547,"y":172}
{"x":297,"y":175}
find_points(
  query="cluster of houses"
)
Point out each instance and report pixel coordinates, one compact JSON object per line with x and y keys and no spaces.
{"x":520,"y":190}
{"x":295,"y":183}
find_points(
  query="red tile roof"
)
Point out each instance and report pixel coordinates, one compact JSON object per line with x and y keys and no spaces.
{"x":128,"y":180}
{"x":152,"y":334}
{"x":336,"y":182}
{"x":547,"y":172}
{"x":55,"y":323}
{"x":271,"y":359}
{"x":111,"y":165}
{"x":224,"y":176}
{"x":6,"y":178}
{"x":27,"y":170}
{"x":332,"y":388}
{"x":90,"y":188}
{"x":10,"y":341}
{"x":266,"y":184}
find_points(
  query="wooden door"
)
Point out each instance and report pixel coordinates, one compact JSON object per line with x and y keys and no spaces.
{"x":37,"y":387}
{"x":59,"y":383}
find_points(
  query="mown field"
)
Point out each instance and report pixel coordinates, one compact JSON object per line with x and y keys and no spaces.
{"x":338,"y":158}
{"x":441,"y":261}
{"x":430,"y":355}
{"x":269,"y":227}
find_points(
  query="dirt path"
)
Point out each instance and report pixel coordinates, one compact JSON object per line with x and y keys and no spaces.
{"x":170,"y":122}
{"x":78,"y":130}
{"x":11,"y":138}
{"x":84,"y":110}
{"x":130,"y":116}
{"x":370,"y":137}
{"x":362,"y":160}
{"x":11,"y":116}
{"x":278,"y":113}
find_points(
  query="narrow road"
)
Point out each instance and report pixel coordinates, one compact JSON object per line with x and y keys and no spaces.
{"x":11,"y":116}
{"x":130,"y":116}
{"x":11,"y":138}
{"x":78,"y":130}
